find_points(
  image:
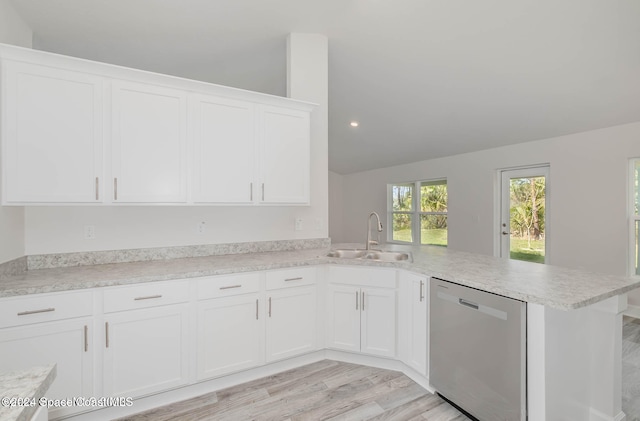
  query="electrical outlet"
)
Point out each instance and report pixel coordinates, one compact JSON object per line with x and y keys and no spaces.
{"x":201,"y":227}
{"x":89,"y":232}
{"x":298,"y":224}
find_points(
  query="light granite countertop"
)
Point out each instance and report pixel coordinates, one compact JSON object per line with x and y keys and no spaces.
{"x":548,"y":285}
{"x":29,"y":385}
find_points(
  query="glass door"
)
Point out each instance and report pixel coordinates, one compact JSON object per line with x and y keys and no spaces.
{"x":523,"y":216}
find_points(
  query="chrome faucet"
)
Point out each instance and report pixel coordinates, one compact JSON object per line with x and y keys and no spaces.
{"x":369,"y":240}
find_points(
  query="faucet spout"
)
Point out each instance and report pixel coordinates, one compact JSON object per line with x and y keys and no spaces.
{"x":378,"y":229}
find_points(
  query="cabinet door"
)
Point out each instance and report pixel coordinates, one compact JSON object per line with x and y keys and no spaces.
{"x":343,"y":318}
{"x":378,"y":321}
{"x":291,"y":322}
{"x":230,"y":335}
{"x":51,"y":135}
{"x":285,"y":155}
{"x":149,"y":144}
{"x":67,"y":344}
{"x":145,"y":350}
{"x":417,"y":323}
{"x":224,"y":145}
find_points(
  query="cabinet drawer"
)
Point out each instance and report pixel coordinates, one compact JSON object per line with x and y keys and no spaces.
{"x":146,"y":295}
{"x":45,"y":308}
{"x":291,"y":277}
{"x":227,"y":285}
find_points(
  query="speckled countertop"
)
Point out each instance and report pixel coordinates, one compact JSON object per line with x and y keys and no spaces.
{"x":552,"y":286}
{"x":30,"y":385}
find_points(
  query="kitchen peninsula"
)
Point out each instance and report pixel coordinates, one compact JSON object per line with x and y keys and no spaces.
{"x":574,"y":323}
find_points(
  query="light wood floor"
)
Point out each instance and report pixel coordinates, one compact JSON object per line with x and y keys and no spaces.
{"x":326,"y":390}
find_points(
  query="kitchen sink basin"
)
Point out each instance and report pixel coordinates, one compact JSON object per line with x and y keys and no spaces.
{"x":377,"y":255}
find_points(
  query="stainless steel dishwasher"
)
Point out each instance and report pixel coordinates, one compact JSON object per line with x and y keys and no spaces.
{"x":477,"y":355}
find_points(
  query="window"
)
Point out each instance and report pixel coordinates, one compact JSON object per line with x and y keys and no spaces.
{"x":418,"y":218}
{"x":635,"y":217}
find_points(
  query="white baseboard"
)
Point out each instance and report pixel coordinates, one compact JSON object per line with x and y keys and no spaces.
{"x":632,"y":311}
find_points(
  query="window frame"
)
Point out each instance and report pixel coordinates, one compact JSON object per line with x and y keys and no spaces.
{"x":415,"y":213}
{"x":634,"y":218}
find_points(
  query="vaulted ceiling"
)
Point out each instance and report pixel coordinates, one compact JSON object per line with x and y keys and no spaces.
{"x":424,"y":78}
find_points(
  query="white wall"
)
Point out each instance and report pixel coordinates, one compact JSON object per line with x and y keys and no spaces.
{"x":336,"y":207}
{"x":14,"y":31}
{"x":61,"y":229}
{"x":588,"y":183}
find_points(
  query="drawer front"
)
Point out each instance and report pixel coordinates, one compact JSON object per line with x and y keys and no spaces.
{"x":151,"y":294}
{"x":45,"y":308}
{"x":287,"y":278}
{"x":228,"y":285}
{"x":363,"y":276}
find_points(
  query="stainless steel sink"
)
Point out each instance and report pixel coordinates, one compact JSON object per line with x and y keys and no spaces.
{"x":377,"y":255}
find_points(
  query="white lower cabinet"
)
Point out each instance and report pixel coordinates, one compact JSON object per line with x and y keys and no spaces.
{"x":415,"y":305}
{"x":291,"y":322}
{"x":230,"y":335}
{"x":44,"y":329}
{"x":146,"y":338}
{"x":362,"y":318}
{"x":66,"y":343}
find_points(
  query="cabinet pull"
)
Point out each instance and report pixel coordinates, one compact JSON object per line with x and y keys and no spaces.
{"x":149,"y":297}
{"x":356,"y":300}
{"x":299,"y":278}
{"x":86,"y":338}
{"x":256,"y":309}
{"x":269,"y":306}
{"x":44,"y":310}
{"x":231,"y":287}
{"x":263,"y":192}
{"x":115,"y":188}
{"x":362,"y":301}
{"x":251,"y":192}
{"x":421,"y":293}
{"x":97,"y":188}
{"x":106,"y":334}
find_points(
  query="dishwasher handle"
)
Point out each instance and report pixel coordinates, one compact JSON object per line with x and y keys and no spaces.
{"x":468,"y":303}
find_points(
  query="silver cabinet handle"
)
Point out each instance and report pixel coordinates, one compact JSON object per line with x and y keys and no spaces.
{"x":299,"y":278}
{"x":231,"y":287}
{"x":421,"y":293}
{"x":357,"y":300}
{"x":362,"y":301}
{"x":44,"y":310}
{"x":263,"y":192}
{"x":97,"y":188}
{"x":269,"y":306}
{"x":115,"y":188}
{"x":256,"y":309}
{"x":251,"y":192}
{"x":106,"y":334}
{"x":148,"y":297}
{"x":86,"y":338}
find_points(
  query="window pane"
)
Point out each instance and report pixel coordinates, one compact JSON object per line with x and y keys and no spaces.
{"x":402,"y":227}
{"x":402,"y":197}
{"x":433,"y":230}
{"x":527,"y":219}
{"x":433,"y":196}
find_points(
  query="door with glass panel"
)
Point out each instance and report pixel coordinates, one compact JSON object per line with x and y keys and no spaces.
{"x":523,"y":217}
{"x":635,"y":217}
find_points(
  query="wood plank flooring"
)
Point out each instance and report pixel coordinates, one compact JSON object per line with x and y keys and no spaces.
{"x":326,"y":390}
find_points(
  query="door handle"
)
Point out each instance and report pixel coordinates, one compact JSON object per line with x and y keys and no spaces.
{"x":505,"y":233}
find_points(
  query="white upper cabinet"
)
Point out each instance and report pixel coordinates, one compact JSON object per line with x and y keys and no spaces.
{"x":224,"y":150}
{"x":285,"y":155}
{"x":79,"y":132}
{"x":149,"y":144}
{"x":51,"y":135}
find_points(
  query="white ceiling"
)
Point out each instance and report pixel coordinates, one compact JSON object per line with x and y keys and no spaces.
{"x":425,"y":78}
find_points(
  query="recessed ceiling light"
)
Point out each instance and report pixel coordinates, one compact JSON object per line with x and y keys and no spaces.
{"x":354,"y":124}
